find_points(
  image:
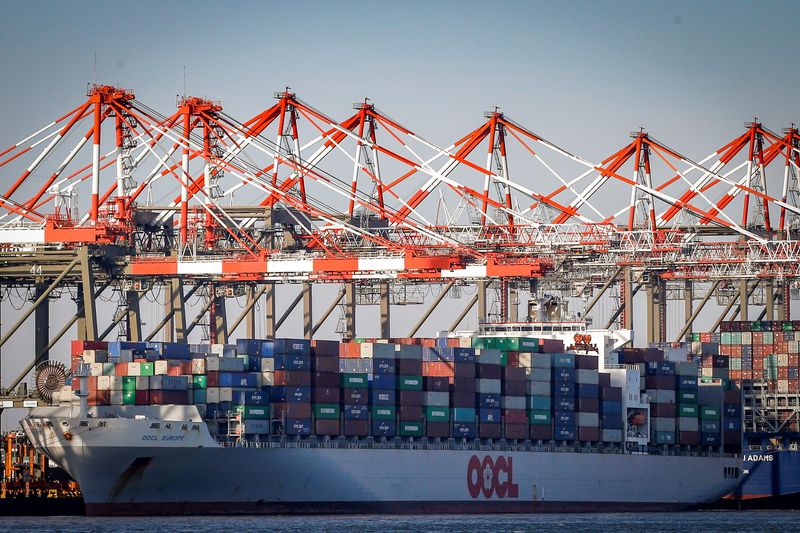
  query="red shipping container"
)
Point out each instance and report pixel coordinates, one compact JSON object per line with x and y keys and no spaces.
{"x":688,"y":438}
{"x":176,"y":370}
{"x":514,"y":373}
{"x":142,"y":397}
{"x":783,"y":372}
{"x":291,"y":410}
{"x":514,"y":416}
{"x":588,"y":434}
{"x":463,"y":399}
{"x":428,"y":343}
{"x":79,"y":346}
{"x":324,"y":348}
{"x":350,"y":350}
{"x":439,"y":430}
{"x":99,"y":397}
{"x":436,"y":383}
{"x":439,"y":369}
{"x":325,"y":363}
{"x":464,"y":370}
{"x":542,"y":432}
{"x":325,"y":394}
{"x":355,"y":428}
{"x":490,"y":431}
{"x":794,"y":385}
{"x":186,"y":368}
{"x":326,"y":427}
{"x":409,"y":367}
{"x":513,"y":360}
{"x":452,"y":342}
{"x":91,"y":383}
{"x":793,"y":360}
{"x":121,"y":369}
{"x":292,"y":378}
{"x":516,"y":431}
{"x":212,"y":378}
{"x":464,"y":385}
{"x":514,"y":388}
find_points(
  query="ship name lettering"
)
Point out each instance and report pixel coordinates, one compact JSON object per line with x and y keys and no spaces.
{"x":752,"y":457}
{"x":172,"y":437}
{"x":149,"y":437}
{"x":491,"y":477}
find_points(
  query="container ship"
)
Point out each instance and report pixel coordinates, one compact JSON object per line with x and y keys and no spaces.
{"x":763,"y":358}
{"x":526,"y":417}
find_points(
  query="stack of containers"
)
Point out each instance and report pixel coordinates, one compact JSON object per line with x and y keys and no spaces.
{"x":382,"y":396}
{"x":409,"y":391}
{"x":587,"y":405}
{"x":564,"y":395}
{"x":326,"y":393}
{"x":354,"y":372}
{"x":612,"y":411}
{"x":515,"y":420}
{"x":659,"y":380}
{"x":462,"y":395}
{"x":437,"y":370}
{"x":488,"y":392}
{"x":687,"y":422}
{"x":540,"y":389}
{"x":710,"y":397}
{"x":291,"y":391}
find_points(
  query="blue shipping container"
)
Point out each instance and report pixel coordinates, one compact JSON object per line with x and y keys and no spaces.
{"x":731,"y":424}
{"x":298,"y":426}
{"x":249,"y":346}
{"x":732,"y":410}
{"x":489,"y":400}
{"x":292,"y":346}
{"x":384,"y":428}
{"x":465,"y":430}
{"x":564,"y":434}
{"x":383,"y":381}
{"x":383,"y":396}
{"x":564,"y":418}
{"x":463,"y":414}
{"x":237,"y":379}
{"x":687,"y":382}
{"x":355,"y":412}
{"x":611,"y":407}
{"x":489,"y":415}
{"x":563,"y":360}
{"x":257,"y":397}
{"x":292,"y":362}
{"x":564,"y":404}
{"x":709,"y":439}
{"x":254,"y":363}
{"x":291,"y":394}
{"x":384,"y":366}
{"x":542,"y":403}
{"x":612,"y":421}
{"x":464,"y":355}
{"x":564,"y":375}
{"x":564,"y":390}
{"x":587,"y":390}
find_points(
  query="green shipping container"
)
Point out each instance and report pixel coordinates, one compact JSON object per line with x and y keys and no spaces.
{"x":539,"y":418}
{"x":383,"y":412}
{"x":129,"y":384}
{"x":411,"y":429}
{"x":687,"y":396}
{"x":355,"y":381}
{"x":129,"y":397}
{"x":709,"y":412}
{"x":199,"y":381}
{"x":409,"y":382}
{"x":437,"y":414}
{"x":252,"y":412}
{"x":507,"y":344}
{"x":148,"y":369}
{"x":198,"y":396}
{"x":687,"y":410}
{"x":665,"y":437}
{"x":326,"y":411}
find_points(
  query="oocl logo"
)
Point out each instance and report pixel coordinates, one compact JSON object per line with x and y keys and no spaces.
{"x":491,"y":476}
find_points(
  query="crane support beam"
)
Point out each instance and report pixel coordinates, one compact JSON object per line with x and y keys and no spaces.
{"x":328,"y":311}
{"x":445,"y":290}
{"x":694,"y":314}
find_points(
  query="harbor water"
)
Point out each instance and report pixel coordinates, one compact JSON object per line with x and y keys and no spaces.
{"x":706,"y":521}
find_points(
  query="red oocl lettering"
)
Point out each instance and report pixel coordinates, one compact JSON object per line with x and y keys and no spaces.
{"x":491,"y":477}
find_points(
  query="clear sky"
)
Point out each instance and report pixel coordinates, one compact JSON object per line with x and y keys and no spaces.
{"x":582,"y":74}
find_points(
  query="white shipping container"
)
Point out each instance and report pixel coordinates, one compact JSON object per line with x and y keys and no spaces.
{"x":225,"y":394}
{"x":525,"y":359}
{"x":267,"y":363}
{"x":156,"y":382}
{"x":267,"y":379}
{"x":212,"y":395}
{"x":513,"y":402}
{"x":142,"y":382}
{"x":436,"y":399}
{"x":488,"y":386}
{"x":538,"y":374}
{"x":587,"y":377}
{"x":591,"y":420}
{"x":103,"y":382}
{"x":539,"y":388}
{"x":116,"y":397}
{"x":116,"y":383}
{"x":160,"y":368}
{"x":135,"y":369}
{"x":688,"y":423}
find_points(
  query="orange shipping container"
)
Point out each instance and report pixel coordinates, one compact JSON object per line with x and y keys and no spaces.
{"x":437,"y":369}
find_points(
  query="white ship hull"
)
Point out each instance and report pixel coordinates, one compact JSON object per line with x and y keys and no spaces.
{"x":127,"y":466}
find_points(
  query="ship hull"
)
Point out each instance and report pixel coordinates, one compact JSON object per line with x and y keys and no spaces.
{"x":127,"y":467}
